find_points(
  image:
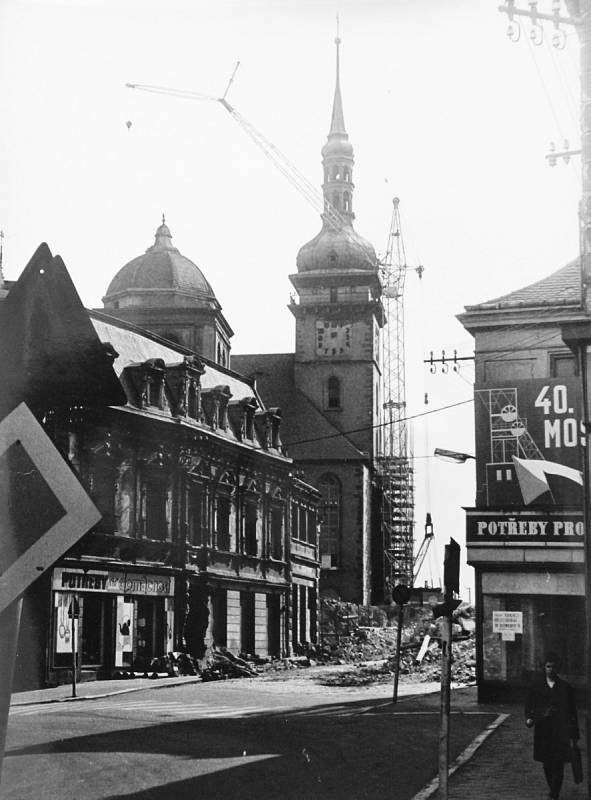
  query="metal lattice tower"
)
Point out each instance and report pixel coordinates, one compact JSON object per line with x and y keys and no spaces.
{"x":395,"y":467}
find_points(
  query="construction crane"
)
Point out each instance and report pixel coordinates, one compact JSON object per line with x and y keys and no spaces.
{"x":281,"y":162}
{"x":394,"y":467}
{"x":421,"y":553}
{"x":395,"y":473}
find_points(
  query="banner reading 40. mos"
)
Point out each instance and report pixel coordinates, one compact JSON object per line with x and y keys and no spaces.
{"x":529,"y":440}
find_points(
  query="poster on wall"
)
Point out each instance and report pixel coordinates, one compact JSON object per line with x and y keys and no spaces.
{"x":529,"y":443}
{"x":65,"y":626}
{"x":124,"y":633}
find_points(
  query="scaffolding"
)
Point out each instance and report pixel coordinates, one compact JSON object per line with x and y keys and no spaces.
{"x":394,"y":464}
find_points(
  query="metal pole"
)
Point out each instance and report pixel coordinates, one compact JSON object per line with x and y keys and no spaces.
{"x":445,"y":705}
{"x":74,"y":643}
{"x":585,"y":375}
{"x":581,"y":10}
{"x":398,"y":646}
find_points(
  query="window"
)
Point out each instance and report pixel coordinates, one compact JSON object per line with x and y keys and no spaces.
{"x":333,"y":289}
{"x":155,"y":507}
{"x":193,"y":402}
{"x":333,"y":393}
{"x":563,"y":365}
{"x":276,"y":543}
{"x":347,"y":202}
{"x":103,"y":488}
{"x":330,"y":521}
{"x":250,"y":529}
{"x":222,"y":522}
{"x":311,"y":527}
{"x":196,"y":521}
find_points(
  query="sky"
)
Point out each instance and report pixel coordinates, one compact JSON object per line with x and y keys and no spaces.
{"x":443,"y":111}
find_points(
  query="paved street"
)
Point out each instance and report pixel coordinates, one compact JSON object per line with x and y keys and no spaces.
{"x":263,"y":739}
{"x":230,"y":739}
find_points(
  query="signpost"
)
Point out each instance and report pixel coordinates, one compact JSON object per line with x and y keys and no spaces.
{"x":451,"y":580}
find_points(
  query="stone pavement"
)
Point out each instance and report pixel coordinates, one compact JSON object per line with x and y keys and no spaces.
{"x":500,"y":765}
{"x":503,"y":767}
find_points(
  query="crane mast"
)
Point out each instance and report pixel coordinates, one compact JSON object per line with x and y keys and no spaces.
{"x":395,"y":467}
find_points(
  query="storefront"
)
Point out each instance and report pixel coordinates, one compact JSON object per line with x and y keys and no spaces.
{"x":112,"y":620}
{"x":530,"y":595}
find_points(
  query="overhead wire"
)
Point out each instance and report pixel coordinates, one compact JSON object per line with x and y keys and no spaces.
{"x":379,"y":425}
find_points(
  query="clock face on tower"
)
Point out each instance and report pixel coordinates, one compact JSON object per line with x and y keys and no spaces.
{"x":333,"y":338}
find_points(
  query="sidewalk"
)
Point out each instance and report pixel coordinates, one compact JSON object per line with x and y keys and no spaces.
{"x":500,"y":763}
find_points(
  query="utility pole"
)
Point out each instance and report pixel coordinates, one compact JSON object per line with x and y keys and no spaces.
{"x":576,"y":335}
{"x":451,"y":582}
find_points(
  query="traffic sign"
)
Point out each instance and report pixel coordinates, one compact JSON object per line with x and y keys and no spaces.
{"x":44,"y":509}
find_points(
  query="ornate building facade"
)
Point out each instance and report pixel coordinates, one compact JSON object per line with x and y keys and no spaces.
{"x":208,"y":537}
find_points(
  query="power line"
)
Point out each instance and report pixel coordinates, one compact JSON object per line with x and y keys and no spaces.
{"x":380,"y":425}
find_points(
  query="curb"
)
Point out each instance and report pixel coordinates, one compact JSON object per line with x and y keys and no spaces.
{"x":102,"y":695}
{"x":464,"y":756}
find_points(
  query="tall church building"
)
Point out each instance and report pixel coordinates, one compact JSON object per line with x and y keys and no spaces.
{"x":329,"y":389}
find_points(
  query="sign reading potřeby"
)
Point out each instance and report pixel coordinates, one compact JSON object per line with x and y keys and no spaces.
{"x":483,"y":526}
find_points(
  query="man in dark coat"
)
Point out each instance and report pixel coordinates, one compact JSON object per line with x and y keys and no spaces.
{"x":550,"y":709}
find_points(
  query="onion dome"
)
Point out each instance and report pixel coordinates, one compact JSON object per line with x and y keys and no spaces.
{"x":340,"y":250}
{"x":162,"y":266}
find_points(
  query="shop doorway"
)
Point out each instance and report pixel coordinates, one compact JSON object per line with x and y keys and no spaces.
{"x":150,"y":642}
{"x":247,"y":639}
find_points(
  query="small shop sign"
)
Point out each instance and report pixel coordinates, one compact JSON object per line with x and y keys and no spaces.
{"x":507,"y":623}
{"x":142,"y":583}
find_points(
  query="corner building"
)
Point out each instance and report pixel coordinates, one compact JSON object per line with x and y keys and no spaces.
{"x":208,"y":538}
{"x":525,"y":534}
{"x":330,"y":387}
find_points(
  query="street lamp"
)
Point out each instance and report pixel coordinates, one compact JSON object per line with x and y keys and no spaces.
{"x":452,"y":456}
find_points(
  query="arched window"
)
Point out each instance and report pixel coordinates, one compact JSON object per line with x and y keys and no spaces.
{"x":333,"y":393}
{"x":347,"y":202}
{"x":330,"y":521}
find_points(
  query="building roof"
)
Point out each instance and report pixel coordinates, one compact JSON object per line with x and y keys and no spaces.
{"x":133,"y":345}
{"x":305,"y":430}
{"x":561,"y":288}
{"x":162,"y":266}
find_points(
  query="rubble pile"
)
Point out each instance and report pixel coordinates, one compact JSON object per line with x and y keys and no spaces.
{"x":346,"y":642}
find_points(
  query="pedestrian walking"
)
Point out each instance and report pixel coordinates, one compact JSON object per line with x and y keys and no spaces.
{"x":550,"y":709}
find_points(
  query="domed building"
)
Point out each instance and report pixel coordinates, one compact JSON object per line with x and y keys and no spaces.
{"x":166,"y":293}
{"x":331,"y":385}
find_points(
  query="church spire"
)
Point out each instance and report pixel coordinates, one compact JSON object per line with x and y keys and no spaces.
{"x":337,"y":155}
{"x":337,"y":123}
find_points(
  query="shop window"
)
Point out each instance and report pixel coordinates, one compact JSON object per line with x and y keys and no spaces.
{"x":330,"y":521}
{"x":150,"y":630}
{"x":303,"y":608}
{"x":219,"y":603}
{"x":276,"y":544}
{"x":549,"y":622}
{"x":92,"y":629}
{"x":333,"y":393}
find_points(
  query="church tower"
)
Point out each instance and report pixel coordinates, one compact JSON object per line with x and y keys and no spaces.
{"x":339,"y":313}
{"x":337,"y":366}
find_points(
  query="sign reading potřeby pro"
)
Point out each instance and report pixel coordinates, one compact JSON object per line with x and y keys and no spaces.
{"x":487,"y":526}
